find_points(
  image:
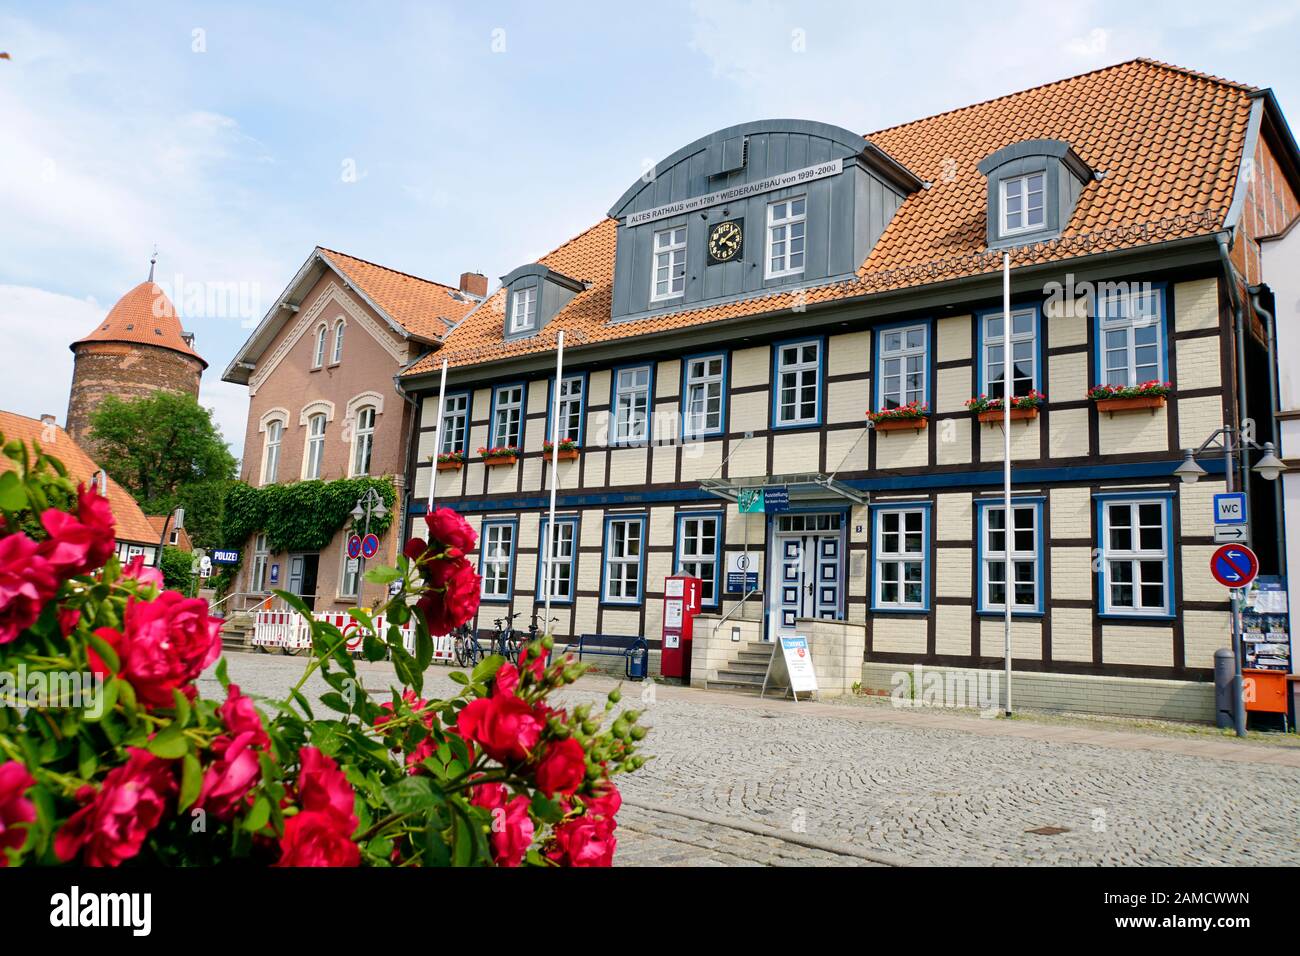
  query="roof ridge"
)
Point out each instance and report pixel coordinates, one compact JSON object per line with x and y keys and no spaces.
{"x":1147,"y":61}
{"x":409,"y":275}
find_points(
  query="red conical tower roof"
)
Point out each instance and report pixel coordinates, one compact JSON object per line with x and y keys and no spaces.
{"x":144,"y":316}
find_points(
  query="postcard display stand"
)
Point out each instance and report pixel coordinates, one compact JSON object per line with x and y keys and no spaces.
{"x":1265,"y":634}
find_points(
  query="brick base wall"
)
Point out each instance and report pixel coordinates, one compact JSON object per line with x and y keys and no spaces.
{"x":126,"y":371}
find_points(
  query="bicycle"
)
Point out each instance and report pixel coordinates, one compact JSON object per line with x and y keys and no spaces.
{"x":504,"y":641}
{"x":465,"y":645}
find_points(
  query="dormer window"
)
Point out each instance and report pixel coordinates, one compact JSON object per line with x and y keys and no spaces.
{"x":523,"y":310}
{"x":1023,"y":206}
{"x":786,"y":229}
{"x":669,"y":264}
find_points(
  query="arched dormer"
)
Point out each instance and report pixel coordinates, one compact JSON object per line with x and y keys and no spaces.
{"x":758,"y":206}
{"x":534,"y":293}
{"x":1033,"y":187}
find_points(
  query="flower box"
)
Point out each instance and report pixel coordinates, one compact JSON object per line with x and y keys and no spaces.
{"x":1017,"y":414}
{"x":451,"y":465}
{"x":1113,"y":405}
{"x":500,"y":460}
{"x":564,"y":454}
{"x":901,"y":424}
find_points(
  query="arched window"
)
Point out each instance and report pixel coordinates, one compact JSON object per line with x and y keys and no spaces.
{"x":318,"y":357}
{"x":271,"y":456}
{"x":338,"y":343}
{"x":315,"y":446}
{"x":364,"y":442}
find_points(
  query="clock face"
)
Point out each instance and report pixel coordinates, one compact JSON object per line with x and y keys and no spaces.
{"x":725,"y":241}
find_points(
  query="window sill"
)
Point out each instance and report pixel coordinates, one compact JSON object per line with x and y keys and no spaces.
{"x":493,"y":600}
{"x":796,"y":425}
{"x":1136,"y":618}
{"x":915,"y":611}
{"x":987,"y":612}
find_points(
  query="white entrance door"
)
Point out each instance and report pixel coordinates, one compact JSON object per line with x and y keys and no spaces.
{"x":807,"y":571}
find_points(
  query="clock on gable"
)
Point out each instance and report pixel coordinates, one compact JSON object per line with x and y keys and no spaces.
{"x":726,"y":242}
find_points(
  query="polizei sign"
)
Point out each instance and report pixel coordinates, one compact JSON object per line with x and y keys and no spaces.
{"x":793,"y":178}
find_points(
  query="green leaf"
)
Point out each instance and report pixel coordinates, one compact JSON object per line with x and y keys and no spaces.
{"x":487,"y":668}
{"x":87,"y":762}
{"x":458,"y":677}
{"x":169,"y":743}
{"x":302,"y":702}
{"x":423,"y":647}
{"x":412,"y":795}
{"x":383,"y":574}
{"x":296,"y":603}
{"x":221,"y":673}
{"x":548,"y":811}
{"x":372,"y":648}
{"x":183,"y":712}
{"x":191,"y":780}
{"x":107,"y":701}
{"x":105,"y":652}
{"x":258,"y":816}
{"x":13,"y":494}
{"x":335,"y":702}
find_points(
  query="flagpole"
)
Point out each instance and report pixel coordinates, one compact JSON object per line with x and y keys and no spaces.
{"x":1008,"y":522}
{"x":555,"y":455}
{"x":437,"y":434}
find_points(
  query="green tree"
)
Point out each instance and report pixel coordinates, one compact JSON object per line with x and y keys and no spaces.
{"x":166,"y":451}
{"x":176,"y":565}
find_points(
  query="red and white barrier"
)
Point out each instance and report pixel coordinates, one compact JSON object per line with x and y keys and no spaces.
{"x":288,"y":629}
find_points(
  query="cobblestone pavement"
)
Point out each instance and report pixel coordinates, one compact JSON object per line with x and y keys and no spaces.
{"x":738,"y":781}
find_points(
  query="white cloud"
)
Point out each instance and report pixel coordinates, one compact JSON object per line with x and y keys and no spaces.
{"x":38,"y":327}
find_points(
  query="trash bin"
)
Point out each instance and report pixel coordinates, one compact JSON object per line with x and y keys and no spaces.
{"x":1225,"y":669}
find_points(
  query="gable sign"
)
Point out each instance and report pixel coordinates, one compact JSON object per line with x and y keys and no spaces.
{"x":793,"y":178}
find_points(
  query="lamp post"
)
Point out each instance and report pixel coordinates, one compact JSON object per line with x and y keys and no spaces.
{"x":1268,"y":467}
{"x":371,"y":503}
{"x":179,"y":515}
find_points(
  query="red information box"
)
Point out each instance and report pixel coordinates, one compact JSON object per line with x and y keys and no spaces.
{"x":681,"y":604}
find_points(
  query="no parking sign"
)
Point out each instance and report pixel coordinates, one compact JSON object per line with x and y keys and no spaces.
{"x":1234,"y":566}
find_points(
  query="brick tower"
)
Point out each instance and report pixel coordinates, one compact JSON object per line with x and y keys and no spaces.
{"x":139,"y":348}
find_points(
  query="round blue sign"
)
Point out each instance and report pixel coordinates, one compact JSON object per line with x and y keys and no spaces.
{"x":354,"y":546}
{"x":370,"y":546}
{"x":1234,"y":566}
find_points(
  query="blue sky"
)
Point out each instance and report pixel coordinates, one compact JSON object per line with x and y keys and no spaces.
{"x":440,"y":138}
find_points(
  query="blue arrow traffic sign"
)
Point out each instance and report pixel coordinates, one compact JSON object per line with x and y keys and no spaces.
{"x":1234,"y":566}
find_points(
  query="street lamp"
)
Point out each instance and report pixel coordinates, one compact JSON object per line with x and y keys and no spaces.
{"x":179,"y":516}
{"x":1268,"y":467}
{"x":368,"y":505}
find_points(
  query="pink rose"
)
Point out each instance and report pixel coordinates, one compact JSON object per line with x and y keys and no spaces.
{"x":415,"y":548}
{"x":507,"y":679}
{"x":505,"y":727}
{"x":68,"y":620}
{"x":137,"y":570}
{"x":168,"y":642}
{"x":83,"y":543}
{"x":323,"y":788}
{"x":450,"y":529}
{"x":228,"y":780}
{"x":241,"y":717}
{"x":313,"y":838}
{"x":113,"y":825}
{"x":563,"y":769}
{"x":16,"y":811}
{"x":512,"y":827}
{"x":606,"y":801}
{"x":447,"y":609}
{"x":27,"y":582}
{"x":584,"y":841}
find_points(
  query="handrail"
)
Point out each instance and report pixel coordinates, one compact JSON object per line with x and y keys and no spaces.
{"x":739,"y":605}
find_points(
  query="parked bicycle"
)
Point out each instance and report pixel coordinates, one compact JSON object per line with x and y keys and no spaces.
{"x":466,"y":646}
{"x":505,"y":641}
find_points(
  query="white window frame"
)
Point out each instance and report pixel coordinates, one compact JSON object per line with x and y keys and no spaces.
{"x":501,"y":415}
{"x":261,"y":561}
{"x":618,"y":563}
{"x":992,"y":341}
{"x":271,"y":451}
{"x":800,"y":369}
{"x":698,"y":563}
{"x":899,"y":559}
{"x":498,"y":560}
{"x":572,"y":393}
{"x":1004,"y":194}
{"x":560,"y":560}
{"x":349,"y":581}
{"x":336,"y":355}
{"x":523,"y":309}
{"x":1124,"y":320}
{"x":629,"y":395}
{"x":1134,"y":557}
{"x":700,"y":404}
{"x":313,"y":460}
{"x":363,"y":440}
{"x":669,"y":256}
{"x":1018,"y":556}
{"x":901,"y":355}
{"x":318,"y":356}
{"x":787,"y":223}
{"x":455,"y":421}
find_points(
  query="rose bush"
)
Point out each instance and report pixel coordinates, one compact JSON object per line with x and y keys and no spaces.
{"x":129,"y":764}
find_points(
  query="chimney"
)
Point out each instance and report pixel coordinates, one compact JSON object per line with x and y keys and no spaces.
{"x":474,"y":283}
{"x":49,"y":420}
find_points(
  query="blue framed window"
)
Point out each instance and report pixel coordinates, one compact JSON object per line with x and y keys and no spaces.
{"x":1026,"y":352}
{"x":1021,"y":551}
{"x":704,"y":395}
{"x":699,"y":551}
{"x":499,"y":539}
{"x":1132,"y":333}
{"x":453,"y":430}
{"x":1135,"y":544}
{"x":623,"y":575}
{"x":797,"y":383}
{"x":902,"y":373}
{"x":573,"y":408}
{"x":564,"y":560}
{"x":900,"y":557}
{"x":631,"y":404}
{"x":507,"y":418}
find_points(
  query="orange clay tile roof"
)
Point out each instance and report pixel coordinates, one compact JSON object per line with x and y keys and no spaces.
{"x":144,"y":316}
{"x":182,"y":540}
{"x":424,"y":308}
{"x":1169,"y":141}
{"x":132,"y":525}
